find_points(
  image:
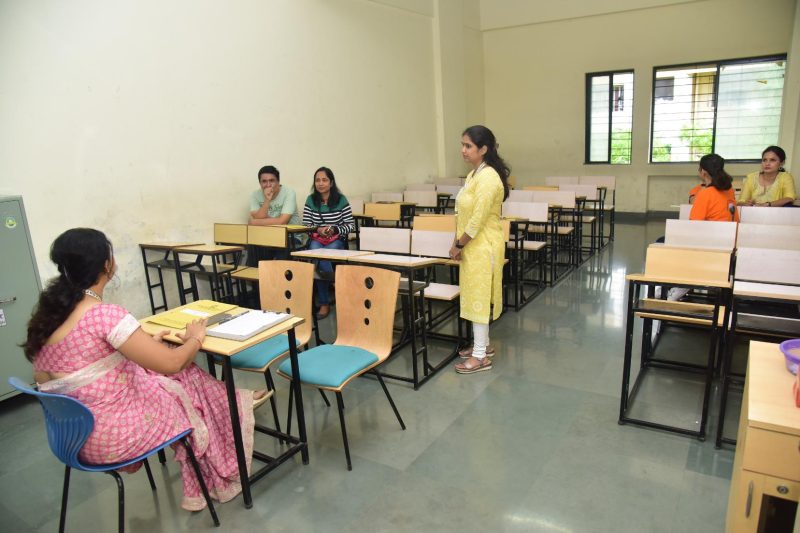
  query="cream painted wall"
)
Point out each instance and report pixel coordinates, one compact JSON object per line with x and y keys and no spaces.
{"x":535,"y":84}
{"x":149,"y":120}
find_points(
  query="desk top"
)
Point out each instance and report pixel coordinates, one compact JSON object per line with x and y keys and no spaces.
{"x":293,"y":228}
{"x":771,"y":402}
{"x":167,"y":245}
{"x":224,"y":346}
{"x":397,"y":260}
{"x":766,"y":290}
{"x":329,"y":253}
{"x":209,"y":249}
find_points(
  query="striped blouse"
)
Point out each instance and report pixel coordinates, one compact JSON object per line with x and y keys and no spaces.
{"x":339,"y":216}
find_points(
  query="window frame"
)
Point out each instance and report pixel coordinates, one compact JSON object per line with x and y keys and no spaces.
{"x":588,"y":114}
{"x":719,"y":63}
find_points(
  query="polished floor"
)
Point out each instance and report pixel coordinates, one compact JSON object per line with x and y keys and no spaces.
{"x":532,"y":445}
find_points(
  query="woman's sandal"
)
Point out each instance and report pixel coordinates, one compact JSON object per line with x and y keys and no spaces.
{"x":473,"y":365}
{"x":466,"y":353}
{"x":258,"y":402}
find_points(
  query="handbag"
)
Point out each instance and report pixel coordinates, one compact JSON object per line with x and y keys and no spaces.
{"x":324,"y":239}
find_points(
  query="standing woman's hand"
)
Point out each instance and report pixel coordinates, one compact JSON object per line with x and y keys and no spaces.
{"x":455,"y":253}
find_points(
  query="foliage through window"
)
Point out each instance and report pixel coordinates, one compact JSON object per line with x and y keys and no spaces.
{"x":731,"y":108}
{"x":609,"y":117}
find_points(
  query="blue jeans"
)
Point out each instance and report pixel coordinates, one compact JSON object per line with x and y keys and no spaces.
{"x":322,"y":286}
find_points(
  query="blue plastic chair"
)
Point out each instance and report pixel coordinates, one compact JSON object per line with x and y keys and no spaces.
{"x":69,"y":424}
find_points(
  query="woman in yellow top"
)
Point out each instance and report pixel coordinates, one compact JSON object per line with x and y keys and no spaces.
{"x":772,"y":186}
{"x":479,"y":244}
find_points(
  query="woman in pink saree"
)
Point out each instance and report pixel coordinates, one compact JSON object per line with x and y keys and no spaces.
{"x":140,"y":391}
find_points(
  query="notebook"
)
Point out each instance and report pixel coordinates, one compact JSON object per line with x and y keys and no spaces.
{"x":244,"y":326}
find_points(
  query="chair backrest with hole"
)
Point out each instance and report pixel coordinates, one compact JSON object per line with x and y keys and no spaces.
{"x":365,"y":308}
{"x":388,"y":240}
{"x":287,"y":287}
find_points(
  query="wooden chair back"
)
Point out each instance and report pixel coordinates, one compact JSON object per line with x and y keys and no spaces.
{"x":287,"y":287}
{"x":768,"y":265}
{"x":387,"y":240}
{"x":520,"y":196}
{"x":365,"y":304}
{"x":356,"y":205}
{"x":782,"y":216}
{"x":701,"y":234}
{"x":230,"y":233}
{"x":768,"y":236}
{"x":540,"y":188}
{"x":703,"y":266}
{"x":421,"y":187}
{"x":432,"y":243}
{"x":421,"y":198}
{"x":588,"y":191}
{"x":609,"y":182}
{"x":561,"y":180}
{"x":531,"y":211}
{"x":435,"y":223}
{"x":387,"y":212}
{"x":564,"y":199}
{"x":684,"y":212}
{"x":272,"y":236}
{"x":387,"y":197}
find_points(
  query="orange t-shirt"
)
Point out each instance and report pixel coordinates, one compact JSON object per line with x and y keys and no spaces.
{"x":713,"y":204}
{"x":695,"y":191}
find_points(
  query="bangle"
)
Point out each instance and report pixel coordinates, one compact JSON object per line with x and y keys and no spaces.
{"x":199,"y":342}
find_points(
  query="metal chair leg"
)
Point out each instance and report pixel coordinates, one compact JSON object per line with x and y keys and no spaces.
{"x":201,"y":481}
{"x":64,"y":496}
{"x":289,"y":411}
{"x":120,"y":498}
{"x":391,"y":402}
{"x":149,"y":474}
{"x":273,"y":403}
{"x":324,"y":397}
{"x":162,"y":457}
{"x":340,"y":402}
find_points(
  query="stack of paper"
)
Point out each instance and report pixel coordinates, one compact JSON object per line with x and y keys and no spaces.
{"x":178,"y":318}
{"x":247,"y":324}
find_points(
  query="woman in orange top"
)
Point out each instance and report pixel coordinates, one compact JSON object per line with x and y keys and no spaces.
{"x":716,"y":201}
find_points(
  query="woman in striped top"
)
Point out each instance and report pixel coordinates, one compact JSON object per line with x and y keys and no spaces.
{"x":328,"y":211}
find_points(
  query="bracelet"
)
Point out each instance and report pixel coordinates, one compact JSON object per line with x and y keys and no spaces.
{"x":199,"y":342}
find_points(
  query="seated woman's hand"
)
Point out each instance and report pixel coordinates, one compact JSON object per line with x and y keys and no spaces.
{"x":194,"y":330}
{"x":159,"y":337}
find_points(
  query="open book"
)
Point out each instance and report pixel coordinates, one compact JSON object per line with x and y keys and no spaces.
{"x":244,"y":326}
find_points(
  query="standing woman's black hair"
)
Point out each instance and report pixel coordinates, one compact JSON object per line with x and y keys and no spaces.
{"x":778,"y":151}
{"x":81,"y":255}
{"x":334,"y":194}
{"x":482,"y":136}
{"x":715,"y":166}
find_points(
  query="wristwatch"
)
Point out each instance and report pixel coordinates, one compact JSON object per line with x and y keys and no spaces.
{"x":459,"y":246}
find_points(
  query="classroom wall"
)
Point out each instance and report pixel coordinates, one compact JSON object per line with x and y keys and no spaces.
{"x":535,"y":67}
{"x":149,"y":120}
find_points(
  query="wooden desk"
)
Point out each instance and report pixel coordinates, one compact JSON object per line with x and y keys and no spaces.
{"x":218,"y":277}
{"x":329,"y":254}
{"x":159,"y":264}
{"x":226,"y":348}
{"x":767,"y":462}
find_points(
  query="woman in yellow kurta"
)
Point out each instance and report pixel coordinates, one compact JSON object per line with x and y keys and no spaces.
{"x":479,"y":244}
{"x":772,"y":186}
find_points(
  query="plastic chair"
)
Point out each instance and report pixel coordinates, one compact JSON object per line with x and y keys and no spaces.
{"x":365,"y":307}
{"x":69,"y":424}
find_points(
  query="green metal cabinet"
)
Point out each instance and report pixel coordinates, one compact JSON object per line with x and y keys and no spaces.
{"x":19,"y":291}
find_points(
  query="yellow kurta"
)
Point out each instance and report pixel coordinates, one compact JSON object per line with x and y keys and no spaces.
{"x":481,"y":271}
{"x":782,"y":187}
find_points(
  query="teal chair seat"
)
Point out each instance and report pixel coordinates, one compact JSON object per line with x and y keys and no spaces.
{"x":330,"y":365}
{"x":260,"y":355}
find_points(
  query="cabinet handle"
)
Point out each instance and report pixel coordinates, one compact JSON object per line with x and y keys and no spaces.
{"x":783,"y":489}
{"x":749,"y":500}
{"x":8,"y":300}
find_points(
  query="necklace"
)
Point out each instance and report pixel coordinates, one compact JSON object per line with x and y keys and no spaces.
{"x":90,"y":292}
